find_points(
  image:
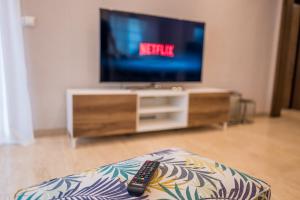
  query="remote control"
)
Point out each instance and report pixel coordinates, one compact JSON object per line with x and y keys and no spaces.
{"x":139,"y":182}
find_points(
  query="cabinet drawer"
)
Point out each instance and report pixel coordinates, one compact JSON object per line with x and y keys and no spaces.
{"x":99,"y":115}
{"x":208,"y":108}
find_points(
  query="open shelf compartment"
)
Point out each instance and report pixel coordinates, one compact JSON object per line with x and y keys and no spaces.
{"x":162,"y":112}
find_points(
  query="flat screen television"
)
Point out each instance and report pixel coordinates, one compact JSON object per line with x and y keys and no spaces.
{"x":144,"y":48}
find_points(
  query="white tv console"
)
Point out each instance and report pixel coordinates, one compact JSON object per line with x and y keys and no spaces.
{"x":104,"y":112}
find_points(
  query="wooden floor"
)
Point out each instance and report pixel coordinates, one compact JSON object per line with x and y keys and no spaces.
{"x":268,"y":149}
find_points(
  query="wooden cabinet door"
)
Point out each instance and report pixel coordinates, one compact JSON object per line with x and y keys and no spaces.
{"x":99,"y":115}
{"x":208,"y":108}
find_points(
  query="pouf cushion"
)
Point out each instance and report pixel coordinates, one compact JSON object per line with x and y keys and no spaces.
{"x":181,"y":175}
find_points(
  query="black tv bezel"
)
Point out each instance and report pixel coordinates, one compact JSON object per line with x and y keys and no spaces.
{"x":144,"y":82}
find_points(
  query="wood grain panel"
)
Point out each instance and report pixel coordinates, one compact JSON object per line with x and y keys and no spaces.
{"x":208,"y":108}
{"x":99,"y":115}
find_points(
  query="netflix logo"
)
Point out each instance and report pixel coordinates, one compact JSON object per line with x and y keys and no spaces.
{"x":156,"y":49}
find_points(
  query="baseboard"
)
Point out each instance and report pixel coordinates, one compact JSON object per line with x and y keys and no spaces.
{"x":50,"y":132}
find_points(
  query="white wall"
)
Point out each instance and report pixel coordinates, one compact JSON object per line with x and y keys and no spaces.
{"x":62,"y":49}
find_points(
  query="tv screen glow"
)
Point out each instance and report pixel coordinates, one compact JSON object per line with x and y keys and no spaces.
{"x":143,"y":48}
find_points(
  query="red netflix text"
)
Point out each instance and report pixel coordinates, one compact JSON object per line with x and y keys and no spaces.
{"x":156,"y":49}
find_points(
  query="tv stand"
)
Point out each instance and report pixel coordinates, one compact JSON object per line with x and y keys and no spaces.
{"x":152,"y":86}
{"x":113,"y":112}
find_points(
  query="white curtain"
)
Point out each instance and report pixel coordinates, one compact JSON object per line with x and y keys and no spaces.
{"x":15,"y":109}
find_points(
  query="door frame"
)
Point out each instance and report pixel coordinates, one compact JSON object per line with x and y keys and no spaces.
{"x":282,"y":56}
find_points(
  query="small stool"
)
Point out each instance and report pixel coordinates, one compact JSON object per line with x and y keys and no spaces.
{"x":235,"y":108}
{"x":248,"y":110}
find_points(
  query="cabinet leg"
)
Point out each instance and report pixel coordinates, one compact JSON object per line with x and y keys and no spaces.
{"x":73,"y":142}
{"x":225,"y":125}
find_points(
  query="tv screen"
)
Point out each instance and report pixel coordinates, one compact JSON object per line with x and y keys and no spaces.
{"x":143,"y":48}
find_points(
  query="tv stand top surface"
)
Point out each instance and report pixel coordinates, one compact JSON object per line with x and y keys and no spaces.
{"x":153,"y":86}
{"x":104,"y":91}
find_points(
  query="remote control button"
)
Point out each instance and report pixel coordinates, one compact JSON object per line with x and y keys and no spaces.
{"x":139,"y":182}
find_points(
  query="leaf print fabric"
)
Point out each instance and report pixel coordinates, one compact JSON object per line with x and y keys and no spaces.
{"x":181,"y":176}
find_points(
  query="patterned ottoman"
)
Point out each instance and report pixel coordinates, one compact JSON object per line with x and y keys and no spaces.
{"x":181,"y":175}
